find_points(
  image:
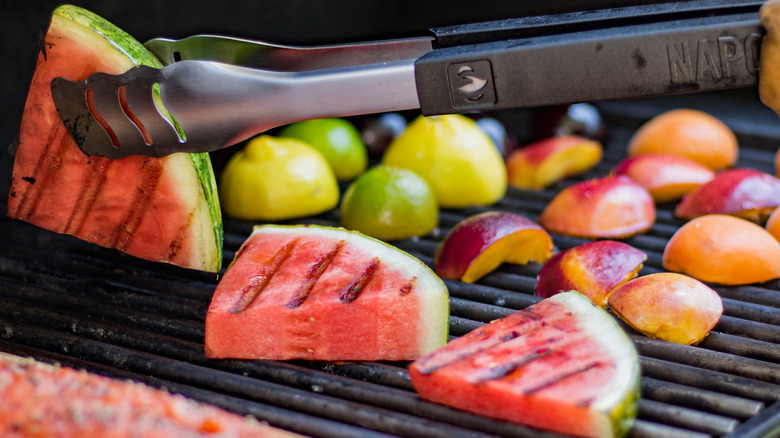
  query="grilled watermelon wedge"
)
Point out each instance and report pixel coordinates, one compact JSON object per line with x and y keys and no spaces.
{"x":159,"y":209}
{"x":322,"y":293}
{"x":562,"y":364}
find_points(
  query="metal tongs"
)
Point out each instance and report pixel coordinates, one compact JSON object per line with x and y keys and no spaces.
{"x":217,"y":91}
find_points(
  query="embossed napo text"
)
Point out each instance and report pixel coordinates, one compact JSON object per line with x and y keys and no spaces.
{"x":713,"y":60}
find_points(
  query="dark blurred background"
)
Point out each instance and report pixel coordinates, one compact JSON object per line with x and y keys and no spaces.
{"x":23,"y":22}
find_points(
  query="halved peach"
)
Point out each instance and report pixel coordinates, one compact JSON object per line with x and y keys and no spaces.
{"x":479,"y":244}
{"x":666,"y":177}
{"x":669,"y":306}
{"x":593,"y":269}
{"x":746,"y":193}
{"x":690,"y":133}
{"x":611,"y":207}
{"x":723,"y":249}
{"x":546,"y":161}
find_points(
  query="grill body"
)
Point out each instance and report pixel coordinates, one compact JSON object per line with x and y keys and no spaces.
{"x":63,"y":300}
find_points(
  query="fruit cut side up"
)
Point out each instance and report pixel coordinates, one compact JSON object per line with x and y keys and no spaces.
{"x":562,"y":364}
{"x":159,"y":209}
{"x":321,"y":293}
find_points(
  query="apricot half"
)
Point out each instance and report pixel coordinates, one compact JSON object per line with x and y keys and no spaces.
{"x":690,"y":133}
{"x":593,"y":269}
{"x":546,"y":161}
{"x":773,"y":224}
{"x":668,"y":306}
{"x":666,"y":177}
{"x":479,"y":244}
{"x":611,"y":207}
{"x":723,"y":249}
{"x":747,"y":193}
{"x":769,"y":58}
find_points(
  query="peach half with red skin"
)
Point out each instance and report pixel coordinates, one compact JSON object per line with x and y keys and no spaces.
{"x":666,"y":177}
{"x":480,"y":243}
{"x":593,"y":269}
{"x":611,"y":207}
{"x":549,"y":160}
{"x":746,"y":193}
{"x":668,"y":306}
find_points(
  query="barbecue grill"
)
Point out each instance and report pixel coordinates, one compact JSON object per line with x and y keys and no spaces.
{"x":63,"y":300}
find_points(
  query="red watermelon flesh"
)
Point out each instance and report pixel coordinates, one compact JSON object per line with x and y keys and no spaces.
{"x":562,"y":364}
{"x":45,"y":401}
{"x":321,"y":293}
{"x":159,"y":209}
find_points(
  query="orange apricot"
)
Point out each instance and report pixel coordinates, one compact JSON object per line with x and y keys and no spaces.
{"x":546,"y":161}
{"x":666,"y":177}
{"x":773,"y":223}
{"x":611,"y":207}
{"x":669,"y":306}
{"x":723,"y":249}
{"x":690,"y":133}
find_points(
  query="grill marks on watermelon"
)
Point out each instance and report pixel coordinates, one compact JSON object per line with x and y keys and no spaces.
{"x":323,"y":293}
{"x":318,"y":265}
{"x":259,"y":281}
{"x":562,"y":364}
{"x":314,"y":274}
{"x":493,"y":335}
{"x":112,"y":203}
{"x":352,"y":290}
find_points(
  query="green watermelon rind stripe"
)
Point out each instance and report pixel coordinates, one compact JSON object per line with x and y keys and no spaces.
{"x":604,"y":329}
{"x":136,"y":52}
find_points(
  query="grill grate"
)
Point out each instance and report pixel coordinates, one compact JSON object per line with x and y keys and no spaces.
{"x":67,"y":301}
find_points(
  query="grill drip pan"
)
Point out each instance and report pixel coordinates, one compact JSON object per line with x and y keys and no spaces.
{"x":63,"y":300}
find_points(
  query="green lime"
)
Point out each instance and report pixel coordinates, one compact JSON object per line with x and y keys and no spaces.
{"x":389,"y":203}
{"x":337,"y":139}
{"x":277,"y":178}
{"x":455,"y":156}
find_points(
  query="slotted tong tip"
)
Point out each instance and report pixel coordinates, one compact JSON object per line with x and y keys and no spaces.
{"x":213,"y":94}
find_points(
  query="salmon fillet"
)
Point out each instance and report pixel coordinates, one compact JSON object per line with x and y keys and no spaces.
{"x":41,"y":400}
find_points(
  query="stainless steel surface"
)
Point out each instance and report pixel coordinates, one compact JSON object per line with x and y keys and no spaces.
{"x":218,"y":105}
{"x":278,"y":57}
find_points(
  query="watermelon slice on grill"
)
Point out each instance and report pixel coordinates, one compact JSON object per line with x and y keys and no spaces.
{"x":562,"y":365}
{"x":323,"y":293}
{"x":159,"y":209}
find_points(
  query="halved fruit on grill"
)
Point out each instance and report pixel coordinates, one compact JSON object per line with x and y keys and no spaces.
{"x":158,"y":209}
{"x":323,"y":293}
{"x":562,"y":364}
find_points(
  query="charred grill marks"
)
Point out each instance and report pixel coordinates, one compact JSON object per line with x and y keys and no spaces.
{"x":256,"y":285}
{"x":313,"y":275}
{"x":560,"y":377}
{"x":504,"y":369}
{"x":406,"y":288}
{"x":357,"y":284}
{"x":487,"y":343}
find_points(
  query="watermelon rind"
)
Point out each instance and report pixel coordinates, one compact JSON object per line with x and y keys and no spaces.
{"x":621,"y":400}
{"x":201,"y":232}
{"x":496,"y":370}
{"x":234,"y":333}
{"x":140,"y":55}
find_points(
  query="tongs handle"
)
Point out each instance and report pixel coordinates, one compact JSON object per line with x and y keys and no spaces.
{"x":686,"y":52}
